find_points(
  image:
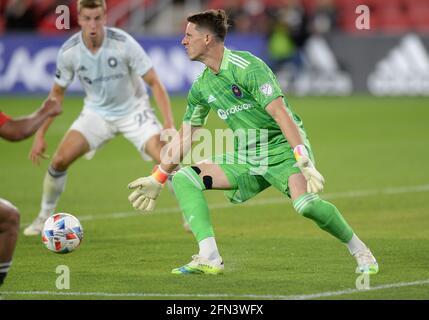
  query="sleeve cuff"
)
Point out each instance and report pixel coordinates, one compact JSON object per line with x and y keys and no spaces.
{"x":62,"y":83}
{"x":143,"y":71}
{"x":271,"y":99}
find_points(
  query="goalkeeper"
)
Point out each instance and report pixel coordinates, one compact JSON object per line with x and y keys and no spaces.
{"x":244,"y":92}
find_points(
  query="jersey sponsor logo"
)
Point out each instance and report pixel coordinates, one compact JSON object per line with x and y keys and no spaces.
{"x":104,"y":78}
{"x":112,"y":62}
{"x":87,"y":80}
{"x":81,"y":69}
{"x":267,"y":89}
{"x":224,"y":114}
{"x":211,"y":99}
{"x":58,"y":74}
{"x":236,"y":91}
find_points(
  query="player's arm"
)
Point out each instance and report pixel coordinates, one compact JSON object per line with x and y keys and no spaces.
{"x":161,"y":97}
{"x":141,"y":64}
{"x":147,"y":189}
{"x":178,"y":148}
{"x":39,"y":144}
{"x":290,"y":130}
{"x":23,"y":127}
{"x":262,"y":83}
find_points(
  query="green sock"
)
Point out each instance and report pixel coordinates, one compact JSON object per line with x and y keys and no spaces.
{"x":325,"y":214}
{"x":189,"y":187}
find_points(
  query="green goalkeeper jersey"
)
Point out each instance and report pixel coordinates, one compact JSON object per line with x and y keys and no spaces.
{"x":239,"y":94}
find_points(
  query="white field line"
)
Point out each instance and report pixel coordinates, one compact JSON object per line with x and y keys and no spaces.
{"x":263,"y":202}
{"x":217,"y":295}
{"x":276,"y":200}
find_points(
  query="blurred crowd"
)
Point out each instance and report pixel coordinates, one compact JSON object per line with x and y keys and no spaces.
{"x":31,"y":15}
{"x":287,"y":24}
{"x":247,"y":16}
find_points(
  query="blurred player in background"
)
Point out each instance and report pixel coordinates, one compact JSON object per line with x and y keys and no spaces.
{"x":113,"y":69}
{"x":245,"y":93}
{"x":17,"y":130}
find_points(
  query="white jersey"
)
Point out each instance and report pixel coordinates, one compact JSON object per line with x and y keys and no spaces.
{"x":111,"y":77}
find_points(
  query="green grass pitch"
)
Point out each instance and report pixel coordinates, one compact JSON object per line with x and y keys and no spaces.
{"x":372,"y":151}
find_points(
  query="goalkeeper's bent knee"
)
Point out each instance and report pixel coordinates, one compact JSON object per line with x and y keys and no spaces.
{"x":325,"y":214}
{"x":193,"y":174}
{"x":187,"y":175}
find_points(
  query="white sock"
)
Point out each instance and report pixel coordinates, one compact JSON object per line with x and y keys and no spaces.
{"x":208,"y":249}
{"x":355,"y":245}
{"x":53,"y":186}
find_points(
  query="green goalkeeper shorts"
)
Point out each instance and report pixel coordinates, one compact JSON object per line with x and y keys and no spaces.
{"x":249,"y":183}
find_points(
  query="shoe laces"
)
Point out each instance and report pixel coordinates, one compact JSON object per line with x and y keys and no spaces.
{"x":198,"y":260}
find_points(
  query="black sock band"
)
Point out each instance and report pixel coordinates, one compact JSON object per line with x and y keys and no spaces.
{"x":56,"y":174}
{"x":4,"y":268}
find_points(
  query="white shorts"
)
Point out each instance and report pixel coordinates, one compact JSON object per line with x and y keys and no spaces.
{"x":137,"y":127}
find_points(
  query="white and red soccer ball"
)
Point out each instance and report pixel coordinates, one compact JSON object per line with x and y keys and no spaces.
{"x":62,"y":233}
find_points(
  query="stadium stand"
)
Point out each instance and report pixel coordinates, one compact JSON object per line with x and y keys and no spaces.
{"x":393,"y":16}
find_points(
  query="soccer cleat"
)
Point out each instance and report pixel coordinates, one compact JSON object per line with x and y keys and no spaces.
{"x":200,"y":265}
{"x":36,"y":227}
{"x":366,"y":262}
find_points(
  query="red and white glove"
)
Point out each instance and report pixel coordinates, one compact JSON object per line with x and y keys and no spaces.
{"x":315,"y":180}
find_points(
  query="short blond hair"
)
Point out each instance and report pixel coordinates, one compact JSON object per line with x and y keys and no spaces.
{"x":91,"y":4}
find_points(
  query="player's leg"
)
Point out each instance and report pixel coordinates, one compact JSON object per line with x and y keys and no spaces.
{"x":189,"y":184}
{"x":73,"y":146}
{"x":223,"y":172}
{"x":9,"y":227}
{"x":328,"y":218}
{"x":87,"y":133}
{"x":142,"y":128}
{"x":153,"y":148}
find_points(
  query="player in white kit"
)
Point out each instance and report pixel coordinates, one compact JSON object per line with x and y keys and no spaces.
{"x":112,"y":68}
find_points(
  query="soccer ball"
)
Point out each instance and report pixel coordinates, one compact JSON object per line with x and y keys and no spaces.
{"x":62,"y":233}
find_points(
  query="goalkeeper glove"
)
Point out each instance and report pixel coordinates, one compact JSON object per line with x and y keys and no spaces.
{"x":147,"y":190}
{"x":314,"y":179}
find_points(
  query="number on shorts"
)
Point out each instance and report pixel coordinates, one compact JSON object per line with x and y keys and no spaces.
{"x":145,"y":115}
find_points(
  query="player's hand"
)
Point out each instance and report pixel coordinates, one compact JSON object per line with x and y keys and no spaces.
{"x":315,"y":180}
{"x":51,"y":107}
{"x":38,"y":149}
{"x":147,"y":189}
